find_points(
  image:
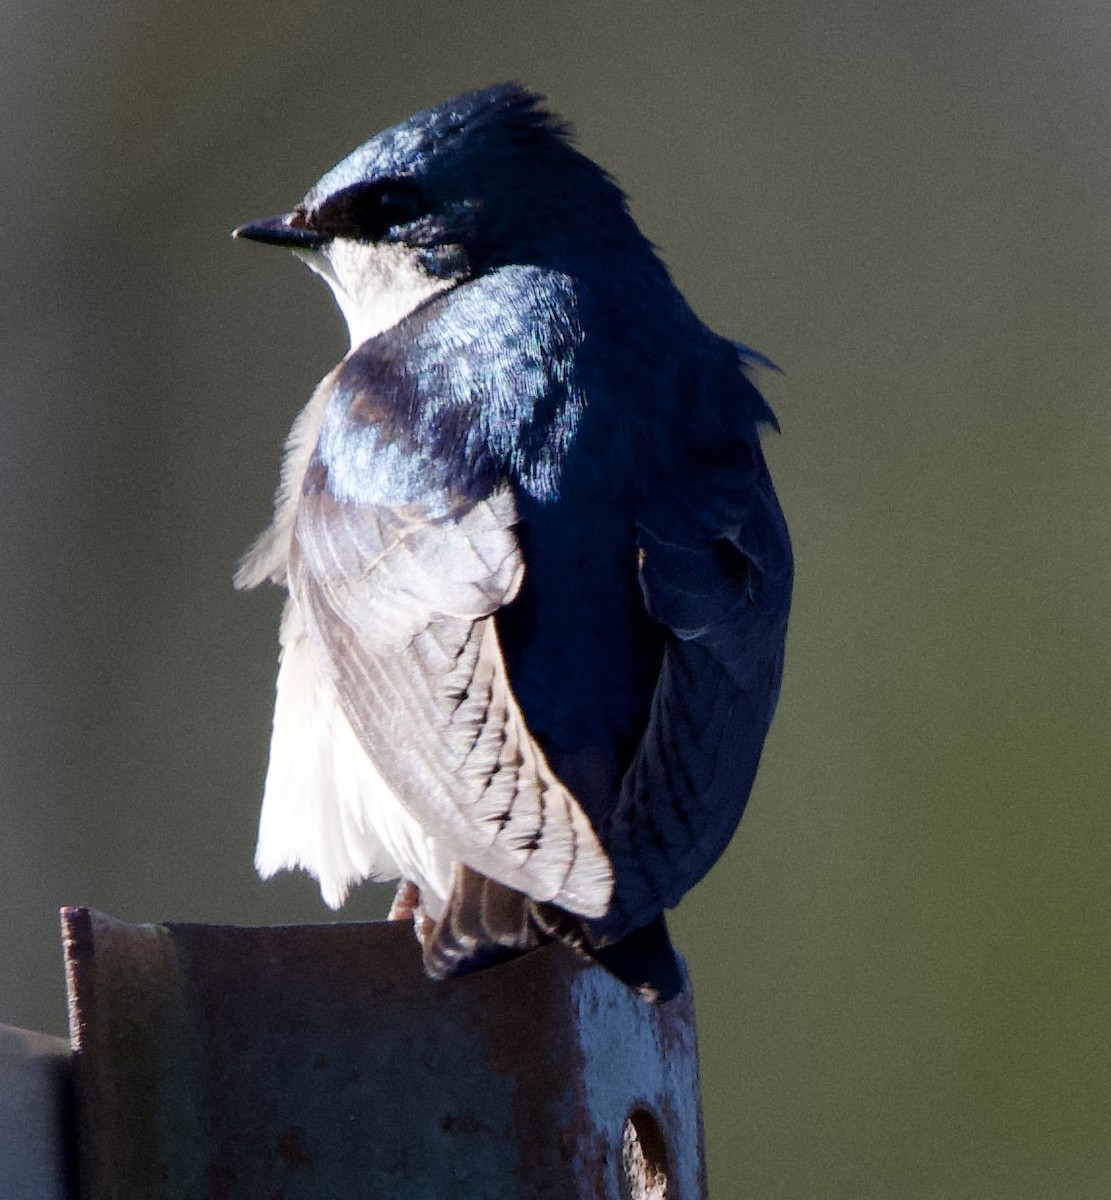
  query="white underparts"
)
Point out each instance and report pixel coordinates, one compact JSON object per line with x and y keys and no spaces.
{"x":375,"y":284}
{"x":326,"y":808}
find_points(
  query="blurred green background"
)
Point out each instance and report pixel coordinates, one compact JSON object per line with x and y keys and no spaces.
{"x":901,"y":965}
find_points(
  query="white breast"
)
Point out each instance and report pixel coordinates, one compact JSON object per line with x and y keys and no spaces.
{"x":375,"y":285}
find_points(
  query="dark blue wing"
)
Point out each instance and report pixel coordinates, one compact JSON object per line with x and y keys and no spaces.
{"x":716,"y":571}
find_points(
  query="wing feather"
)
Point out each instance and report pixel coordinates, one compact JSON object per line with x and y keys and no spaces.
{"x":716,"y":571}
{"x":399,"y":607}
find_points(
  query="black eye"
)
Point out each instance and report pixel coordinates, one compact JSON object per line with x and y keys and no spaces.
{"x":368,"y":211}
{"x":401,"y":203}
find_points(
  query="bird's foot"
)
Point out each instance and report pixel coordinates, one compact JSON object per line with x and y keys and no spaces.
{"x":407,"y":906}
{"x":406,"y":901}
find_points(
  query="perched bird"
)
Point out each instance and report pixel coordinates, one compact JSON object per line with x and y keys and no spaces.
{"x":538,"y":576}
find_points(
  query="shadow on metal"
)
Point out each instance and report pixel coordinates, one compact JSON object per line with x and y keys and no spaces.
{"x":36,"y":1102}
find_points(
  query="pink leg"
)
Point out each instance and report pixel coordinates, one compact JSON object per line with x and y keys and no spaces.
{"x":406,"y":901}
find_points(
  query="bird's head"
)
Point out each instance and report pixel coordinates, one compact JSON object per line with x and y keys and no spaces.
{"x":481,"y":181}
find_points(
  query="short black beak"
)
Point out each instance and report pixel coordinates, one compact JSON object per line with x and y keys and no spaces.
{"x":281,"y":231}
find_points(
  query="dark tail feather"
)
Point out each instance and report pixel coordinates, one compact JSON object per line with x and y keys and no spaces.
{"x":486,"y":922}
{"x":643,"y":960}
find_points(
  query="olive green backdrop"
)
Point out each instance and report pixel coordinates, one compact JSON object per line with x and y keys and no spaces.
{"x":902,"y":963}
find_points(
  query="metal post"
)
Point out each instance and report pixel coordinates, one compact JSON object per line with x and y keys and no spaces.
{"x":319,"y":1063}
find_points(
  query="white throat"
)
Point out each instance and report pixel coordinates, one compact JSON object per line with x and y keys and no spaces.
{"x":375,"y":284}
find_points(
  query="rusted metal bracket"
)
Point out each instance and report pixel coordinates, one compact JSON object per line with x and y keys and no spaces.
{"x":319,"y":1063}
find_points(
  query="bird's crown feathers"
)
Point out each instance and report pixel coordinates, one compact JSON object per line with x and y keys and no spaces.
{"x":479,"y":124}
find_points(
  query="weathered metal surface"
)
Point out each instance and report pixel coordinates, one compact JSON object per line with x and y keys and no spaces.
{"x":319,"y":1063}
{"x":35,"y":1111}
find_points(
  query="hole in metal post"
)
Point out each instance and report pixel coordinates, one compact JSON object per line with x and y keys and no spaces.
{"x":644,"y":1156}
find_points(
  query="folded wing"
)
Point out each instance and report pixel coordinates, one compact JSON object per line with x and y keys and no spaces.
{"x":398,"y":601}
{"x":716,"y":571}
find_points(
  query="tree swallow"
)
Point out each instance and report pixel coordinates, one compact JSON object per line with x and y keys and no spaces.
{"x":538,"y":576}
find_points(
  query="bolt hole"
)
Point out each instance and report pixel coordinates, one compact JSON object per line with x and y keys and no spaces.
{"x":644,"y":1156}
